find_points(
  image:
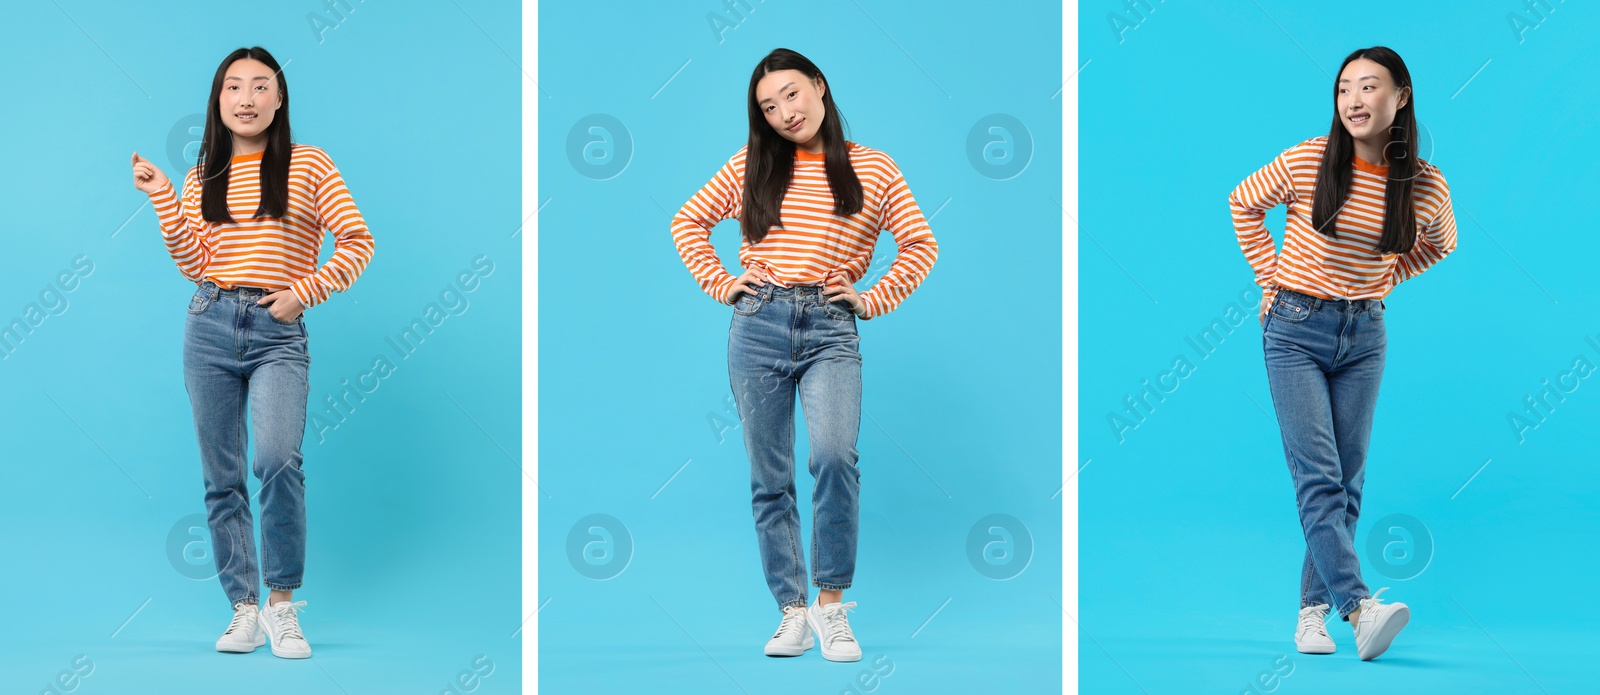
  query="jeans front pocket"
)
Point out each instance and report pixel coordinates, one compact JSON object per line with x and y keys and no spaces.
{"x":199,"y":302}
{"x":747,"y":304}
{"x":838,"y":309}
{"x":1290,"y":309}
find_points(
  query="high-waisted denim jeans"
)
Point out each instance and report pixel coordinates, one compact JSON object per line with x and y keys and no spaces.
{"x":1324,"y":363}
{"x":234,"y":353}
{"x":781,"y":339}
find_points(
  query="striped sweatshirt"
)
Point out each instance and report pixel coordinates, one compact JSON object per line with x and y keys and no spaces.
{"x":1348,"y":267}
{"x":812,"y":241}
{"x":276,"y":253}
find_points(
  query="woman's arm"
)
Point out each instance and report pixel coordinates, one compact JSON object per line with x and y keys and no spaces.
{"x":918,"y":250}
{"x":182,"y":224}
{"x":1271,"y":186}
{"x":336,"y":212}
{"x":1437,"y":240}
{"x":718,"y":200}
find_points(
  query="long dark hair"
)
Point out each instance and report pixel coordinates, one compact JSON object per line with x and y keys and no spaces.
{"x":1333,"y":176}
{"x":769,"y":158}
{"x":216,"y":148}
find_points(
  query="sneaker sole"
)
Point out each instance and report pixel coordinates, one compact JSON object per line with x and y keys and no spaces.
{"x":787,"y":652}
{"x":1313,"y":649}
{"x":290,"y":655}
{"x":840,"y":657}
{"x":1385,"y":634}
{"x":286,"y":654}
{"x":240,"y":648}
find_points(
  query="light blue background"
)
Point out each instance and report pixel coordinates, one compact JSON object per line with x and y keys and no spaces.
{"x":1190,"y":544}
{"x":412,"y":568}
{"x":961,"y":410}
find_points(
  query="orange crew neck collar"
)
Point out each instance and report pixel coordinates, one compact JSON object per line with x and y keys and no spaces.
{"x":805,"y":156}
{"x":1369,"y":167}
{"x":248,"y":157}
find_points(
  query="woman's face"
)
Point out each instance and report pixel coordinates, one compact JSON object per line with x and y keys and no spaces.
{"x":1368,"y":100}
{"x":792,"y":104}
{"x":249,"y":98}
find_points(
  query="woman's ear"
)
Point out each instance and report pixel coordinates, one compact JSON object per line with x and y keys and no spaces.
{"x":1405,"y":98}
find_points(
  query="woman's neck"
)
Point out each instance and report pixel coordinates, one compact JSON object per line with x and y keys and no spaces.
{"x":259,"y":144}
{"x":1371,"y":152}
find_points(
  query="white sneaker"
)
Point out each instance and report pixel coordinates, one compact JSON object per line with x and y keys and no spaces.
{"x":1378,"y":625}
{"x":1311,"y":637}
{"x":833,"y":630}
{"x":793,"y":637}
{"x":283,"y":626}
{"x":244,"y":634}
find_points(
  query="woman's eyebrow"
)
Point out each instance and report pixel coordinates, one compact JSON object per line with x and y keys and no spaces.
{"x":1364,"y":77}
{"x":780,"y":89}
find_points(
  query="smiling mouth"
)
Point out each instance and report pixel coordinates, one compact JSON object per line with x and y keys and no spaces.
{"x":796,"y":127}
{"x":1360,"y":118}
{"x":247,"y":117}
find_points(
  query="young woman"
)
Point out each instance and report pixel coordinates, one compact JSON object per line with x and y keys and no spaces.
{"x":810,"y":205}
{"x":247,"y":229}
{"x":1365,"y":214}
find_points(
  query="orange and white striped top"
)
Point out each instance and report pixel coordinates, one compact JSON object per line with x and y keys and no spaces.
{"x":271,"y":253}
{"x":812,"y":241}
{"x":1347,"y":267}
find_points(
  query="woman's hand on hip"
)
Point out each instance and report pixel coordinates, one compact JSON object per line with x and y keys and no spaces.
{"x":749,"y":281}
{"x":838,"y":287}
{"x":283,"y":305}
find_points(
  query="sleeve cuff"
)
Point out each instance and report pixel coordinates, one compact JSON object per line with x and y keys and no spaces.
{"x":301,"y":294}
{"x":163,"y":196}
{"x":723,"y":290}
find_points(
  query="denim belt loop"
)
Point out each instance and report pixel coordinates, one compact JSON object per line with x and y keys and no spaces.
{"x":1314,"y":301}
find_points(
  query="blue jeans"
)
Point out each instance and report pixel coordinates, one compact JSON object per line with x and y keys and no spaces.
{"x":779,"y":339}
{"x":1324,"y":363}
{"x":235,"y":352}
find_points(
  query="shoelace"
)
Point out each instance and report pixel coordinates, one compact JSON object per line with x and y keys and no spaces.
{"x":1371,"y":601}
{"x":793,"y":622}
{"x":242,"y":616}
{"x":838,"y":623}
{"x":1312,"y":617}
{"x":283,"y":614}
